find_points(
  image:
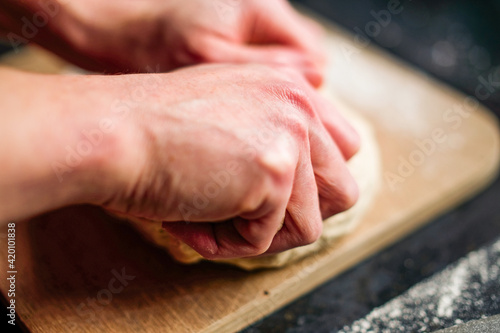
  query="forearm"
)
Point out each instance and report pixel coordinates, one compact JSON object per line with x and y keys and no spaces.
{"x":81,"y":32}
{"x":51,"y":24}
{"x":25,"y":18}
{"x":45,"y":162}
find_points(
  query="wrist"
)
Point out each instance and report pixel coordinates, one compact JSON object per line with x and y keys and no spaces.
{"x":62,"y":146}
{"x":96,"y":34}
{"x":100,"y":145}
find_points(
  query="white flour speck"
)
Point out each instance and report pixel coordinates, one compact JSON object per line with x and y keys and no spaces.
{"x":451,"y":292}
{"x":442,"y":300}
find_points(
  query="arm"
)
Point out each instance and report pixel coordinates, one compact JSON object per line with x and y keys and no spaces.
{"x":52,"y":24}
{"x":156,"y":36}
{"x":39,"y":122}
{"x":251,"y":164}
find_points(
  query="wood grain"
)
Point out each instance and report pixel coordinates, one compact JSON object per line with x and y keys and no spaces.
{"x":70,"y":258}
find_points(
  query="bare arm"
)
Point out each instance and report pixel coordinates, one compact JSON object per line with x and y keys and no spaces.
{"x":38,"y":123}
{"x":251,"y":164}
{"x":129,"y":36}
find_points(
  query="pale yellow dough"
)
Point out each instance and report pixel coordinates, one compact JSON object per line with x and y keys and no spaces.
{"x":364,"y":166}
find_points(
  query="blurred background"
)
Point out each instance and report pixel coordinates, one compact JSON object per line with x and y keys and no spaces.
{"x":456,"y":41}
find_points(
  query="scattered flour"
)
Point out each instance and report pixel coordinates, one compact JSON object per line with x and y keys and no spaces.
{"x":455,"y":295}
{"x":452,"y":291}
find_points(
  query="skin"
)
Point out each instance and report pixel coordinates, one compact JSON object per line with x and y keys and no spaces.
{"x":155,"y":35}
{"x":249,"y":155}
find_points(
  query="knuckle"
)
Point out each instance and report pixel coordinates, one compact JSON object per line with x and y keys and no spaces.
{"x":277,"y":163}
{"x":338,"y":197}
{"x":249,"y":204}
{"x":353,"y":144}
{"x":253,"y":196}
{"x":276,"y":170}
{"x":256,"y":250}
{"x":348,"y":196}
{"x":298,"y":127}
{"x":311,"y":234}
{"x":295,"y":95}
{"x":329,"y":209}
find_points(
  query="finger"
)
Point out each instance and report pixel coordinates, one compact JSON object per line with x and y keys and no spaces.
{"x":314,"y":27}
{"x":292,"y":29}
{"x":238,"y":237}
{"x":303,"y":223}
{"x":213,"y":240}
{"x":252,"y":232}
{"x":224,"y":51}
{"x":344,"y":135}
{"x":337,"y":189}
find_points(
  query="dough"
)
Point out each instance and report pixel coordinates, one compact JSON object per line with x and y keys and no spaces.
{"x":365,"y":168}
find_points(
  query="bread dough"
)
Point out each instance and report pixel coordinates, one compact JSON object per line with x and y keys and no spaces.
{"x":365,"y":168}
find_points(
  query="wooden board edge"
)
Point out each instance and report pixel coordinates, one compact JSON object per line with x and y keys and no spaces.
{"x":279,"y":299}
{"x":327,"y":268}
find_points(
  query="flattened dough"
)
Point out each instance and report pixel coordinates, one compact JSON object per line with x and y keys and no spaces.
{"x":365,"y":168}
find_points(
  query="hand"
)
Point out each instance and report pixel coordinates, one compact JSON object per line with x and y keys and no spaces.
{"x":251,"y":156}
{"x":161,"y":35}
{"x":240,"y":152}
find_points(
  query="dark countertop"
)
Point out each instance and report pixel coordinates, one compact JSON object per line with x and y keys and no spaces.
{"x":457,"y":42}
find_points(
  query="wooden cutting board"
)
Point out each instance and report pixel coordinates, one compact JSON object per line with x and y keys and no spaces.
{"x":80,"y":270}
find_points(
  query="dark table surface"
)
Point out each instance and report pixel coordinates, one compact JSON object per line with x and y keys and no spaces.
{"x":458,"y":42}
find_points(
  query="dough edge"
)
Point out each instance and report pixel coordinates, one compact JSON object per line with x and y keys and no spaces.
{"x":365,"y":167}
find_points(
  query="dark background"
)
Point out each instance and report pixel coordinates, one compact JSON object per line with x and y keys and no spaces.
{"x":457,"y":41}
{"x":454,"y":40}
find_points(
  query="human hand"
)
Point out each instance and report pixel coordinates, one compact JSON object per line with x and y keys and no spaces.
{"x":240,"y":152}
{"x":156,"y":35}
{"x":251,"y":156}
